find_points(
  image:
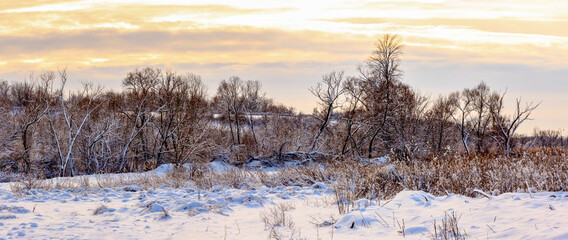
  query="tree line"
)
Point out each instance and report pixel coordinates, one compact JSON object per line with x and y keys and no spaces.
{"x":165,"y":117}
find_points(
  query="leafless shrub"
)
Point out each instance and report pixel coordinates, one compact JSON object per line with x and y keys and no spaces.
{"x":279,"y":223}
{"x":344,"y":198}
{"x":26,"y":182}
{"x":276,"y":216}
{"x":449,"y":228}
{"x":100,"y":210}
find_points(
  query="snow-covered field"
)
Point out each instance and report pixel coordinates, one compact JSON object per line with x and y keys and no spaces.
{"x":280,"y":212}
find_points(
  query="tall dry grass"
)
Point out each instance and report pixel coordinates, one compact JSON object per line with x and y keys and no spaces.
{"x":535,"y":170}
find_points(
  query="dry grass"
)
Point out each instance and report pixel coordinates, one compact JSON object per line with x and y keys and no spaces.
{"x":449,"y":228}
{"x":277,"y":216}
{"x":100,"y":210}
{"x":543,"y":170}
{"x":280,"y":224}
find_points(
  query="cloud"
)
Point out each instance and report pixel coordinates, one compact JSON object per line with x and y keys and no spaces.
{"x":552,"y":27}
{"x":75,"y":49}
{"x":89,"y":15}
{"x":180,"y":41}
{"x":9,"y":5}
{"x":461,"y":9}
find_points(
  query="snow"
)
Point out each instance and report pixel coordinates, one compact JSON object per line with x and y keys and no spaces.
{"x":307,"y":212}
{"x":379,"y":161}
{"x":220,"y":166}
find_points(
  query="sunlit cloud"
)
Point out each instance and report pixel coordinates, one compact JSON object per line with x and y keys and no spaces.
{"x":99,"y":60}
{"x":482,"y":27}
{"x":40,"y":6}
{"x":37,"y":60}
{"x":49,"y":8}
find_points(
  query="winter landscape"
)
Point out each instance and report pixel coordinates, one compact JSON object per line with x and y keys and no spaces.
{"x":419,"y":119}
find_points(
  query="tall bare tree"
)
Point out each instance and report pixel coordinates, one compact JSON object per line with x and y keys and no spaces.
{"x":76,"y":111}
{"x":30,"y":100}
{"x":190,"y":121}
{"x":462,"y":118}
{"x":480,"y":97}
{"x":5,"y":126}
{"x":229,"y":95}
{"x":137,"y":107}
{"x":379,"y":74}
{"x":253,"y":103}
{"x":352,"y":107}
{"x":328,"y":92}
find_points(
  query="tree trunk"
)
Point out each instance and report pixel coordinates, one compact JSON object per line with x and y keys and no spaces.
{"x":440,"y":137}
{"x":385,"y":114}
{"x":238,"y":127}
{"x":27,"y":147}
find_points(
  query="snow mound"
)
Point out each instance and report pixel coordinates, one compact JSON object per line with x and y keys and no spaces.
{"x":220,"y":166}
{"x":354,"y":220}
{"x":13,"y":209}
{"x":163,"y":169}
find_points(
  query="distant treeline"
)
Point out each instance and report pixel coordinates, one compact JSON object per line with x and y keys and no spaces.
{"x":164,"y":117}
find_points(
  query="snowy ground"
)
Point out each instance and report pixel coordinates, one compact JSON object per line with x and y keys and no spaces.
{"x":291,"y":212}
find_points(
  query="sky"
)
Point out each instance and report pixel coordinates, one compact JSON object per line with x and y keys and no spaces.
{"x":520,"y":47}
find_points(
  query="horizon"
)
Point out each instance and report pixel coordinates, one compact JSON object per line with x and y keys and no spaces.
{"x":448,"y":45}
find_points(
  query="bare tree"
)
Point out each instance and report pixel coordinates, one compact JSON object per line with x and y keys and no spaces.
{"x":95,"y":147}
{"x":140,"y":122}
{"x":408,"y":110}
{"x":140,"y":86}
{"x":353,"y":99}
{"x":140,"y":89}
{"x":480,"y":97}
{"x":328,"y":92}
{"x":76,"y":111}
{"x":462,"y":118}
{"x":163,"y":117}
{"x":4,"y":94}
{"x":5,"y":109}
{"x":189,"y":136}
{"x":548,"y":138}
{"x":253,"y":98}
{"x":30,"y":100}
{"x":171,"y":93}
{"x":382,"y":69}
{"x":229,"y":94}
{"x":507,"y":126}
{"x":440,"y":116}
